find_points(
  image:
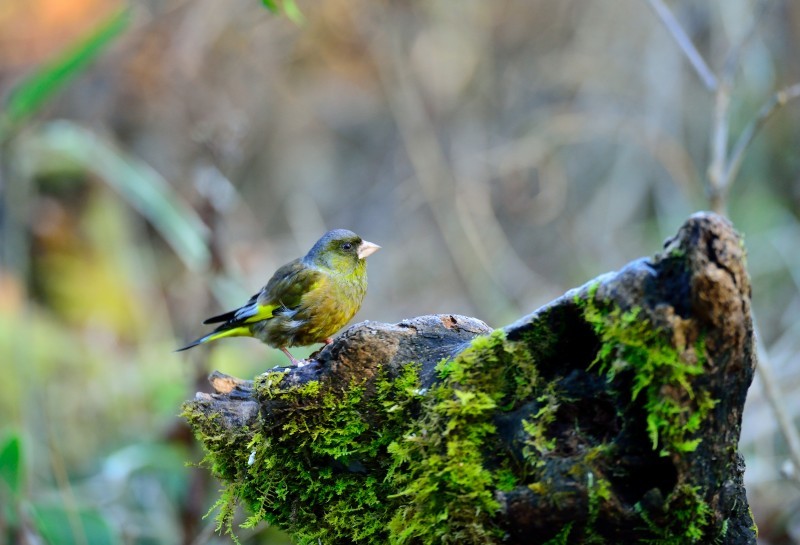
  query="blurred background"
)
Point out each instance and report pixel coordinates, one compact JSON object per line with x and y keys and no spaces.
{"x":160,"y":159}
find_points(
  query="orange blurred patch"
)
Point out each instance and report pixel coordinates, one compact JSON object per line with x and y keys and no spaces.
{"x":34,"y":31}
{"x":12,"y":293}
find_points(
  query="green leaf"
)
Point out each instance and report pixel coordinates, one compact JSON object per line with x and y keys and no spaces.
{"x":293,"y":12}
{"x":288,"y":7}
{"x":39,"y":87}
{"x":58,"y":526}
{"x":11,"y":466}
{"x":166,"y":463}
{"x":270,"y":5}
{"x":137,"y":182}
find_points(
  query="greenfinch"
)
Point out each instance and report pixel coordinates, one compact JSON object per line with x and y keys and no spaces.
{"x":306,"y":301}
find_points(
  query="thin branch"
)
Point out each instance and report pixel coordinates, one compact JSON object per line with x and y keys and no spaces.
{"x":719,"y":170}
{"x":720,"y":132}
{"x":735,"y":54}
{"x":773,"y":394}
{"x":685,"y":43}
{"x":723,"y":169}
{"x":778,"y":100}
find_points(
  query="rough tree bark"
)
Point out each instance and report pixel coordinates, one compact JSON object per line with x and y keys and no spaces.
{"x":611,"y":415}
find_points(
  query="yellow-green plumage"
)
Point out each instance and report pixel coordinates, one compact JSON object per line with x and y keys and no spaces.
{"x":307,"y":300}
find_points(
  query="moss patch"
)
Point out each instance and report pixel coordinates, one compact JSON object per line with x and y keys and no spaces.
{"x":447,"y":484}
{"x":321,"y":474}
{"x":378,"y":462}
{"x":661,"y":372}
{"x":657,"y":370}
{"x":562,"y":538}
{"x":383,"y":461}
{"x":684,"y":518}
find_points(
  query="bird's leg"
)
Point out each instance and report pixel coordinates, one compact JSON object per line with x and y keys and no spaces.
{"x":295,"y":361}
{"x":328,"y":341}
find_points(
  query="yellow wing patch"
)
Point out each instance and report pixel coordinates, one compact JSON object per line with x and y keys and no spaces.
{"x":261,"y":312}
{"x":242,"y":331}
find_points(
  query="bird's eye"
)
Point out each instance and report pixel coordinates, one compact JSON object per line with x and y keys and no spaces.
{"x":347,"y":246}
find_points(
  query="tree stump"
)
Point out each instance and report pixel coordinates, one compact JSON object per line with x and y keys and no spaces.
{"x":611,"y":415}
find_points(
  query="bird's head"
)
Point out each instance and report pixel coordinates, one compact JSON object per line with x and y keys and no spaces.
{"x":340,"y":250}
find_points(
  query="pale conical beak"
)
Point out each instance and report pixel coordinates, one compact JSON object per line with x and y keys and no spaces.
{"x":366,"y":249}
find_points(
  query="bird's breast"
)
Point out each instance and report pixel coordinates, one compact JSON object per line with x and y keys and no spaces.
{"x":326,"y":309}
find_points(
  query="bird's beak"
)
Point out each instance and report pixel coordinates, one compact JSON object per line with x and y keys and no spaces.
{"x":366,"y":249}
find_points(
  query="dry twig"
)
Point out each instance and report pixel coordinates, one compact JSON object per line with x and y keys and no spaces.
{"x":724,"y":168}
{"x":685,"y":43}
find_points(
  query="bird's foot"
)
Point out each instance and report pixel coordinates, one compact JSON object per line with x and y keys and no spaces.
{"x":295,"y":361}
{"x":328,"y":341}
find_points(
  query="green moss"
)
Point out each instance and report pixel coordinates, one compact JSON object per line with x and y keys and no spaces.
{"x":390,"y":465}
{"x":723,"y":533}
{"x":223,"y":458}
{"x":636,"y":354}
{"x":447,"y":484}
{"x":506,"y":479}
{"x":503,"y":370}
{"x":316,"y":478}
{"x":539,"y":441}
{"x":661,"y":371}
{"x":685,"y":518}
{"x":599,"y":492}
{"x":385,"y":462}
{"x":754,"y":527}
{"x":562,"y":537}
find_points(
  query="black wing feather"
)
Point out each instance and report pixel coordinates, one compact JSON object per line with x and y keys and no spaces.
{"x":228,"y":316}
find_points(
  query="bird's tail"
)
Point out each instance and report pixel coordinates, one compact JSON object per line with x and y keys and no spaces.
{"x":242,"y":331}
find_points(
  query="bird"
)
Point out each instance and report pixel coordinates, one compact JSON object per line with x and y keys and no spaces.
{"x":306,"y":301}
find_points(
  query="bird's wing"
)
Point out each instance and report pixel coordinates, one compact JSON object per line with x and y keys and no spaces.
{"x":284,"y":290}
{"x":288,"y":285}
{"x":230,"y":315}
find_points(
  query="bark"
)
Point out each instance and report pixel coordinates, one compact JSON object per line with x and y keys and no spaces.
{"x":611,"y":415}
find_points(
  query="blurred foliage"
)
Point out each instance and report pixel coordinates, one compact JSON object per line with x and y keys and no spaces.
{"x":10,"y":468}
{"x":160,"y":160}
{"x":57,"y":525}
{"x":288,"y":7}
{"x":142,"y":188}
{"x":31,"y":94}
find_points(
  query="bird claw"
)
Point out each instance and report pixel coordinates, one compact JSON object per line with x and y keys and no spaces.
{"x":295,"y":361}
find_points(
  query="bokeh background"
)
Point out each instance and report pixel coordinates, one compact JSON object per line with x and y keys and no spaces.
{"x":160,"y":159}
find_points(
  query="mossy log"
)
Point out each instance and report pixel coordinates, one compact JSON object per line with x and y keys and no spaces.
{"x":611,"y":415}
